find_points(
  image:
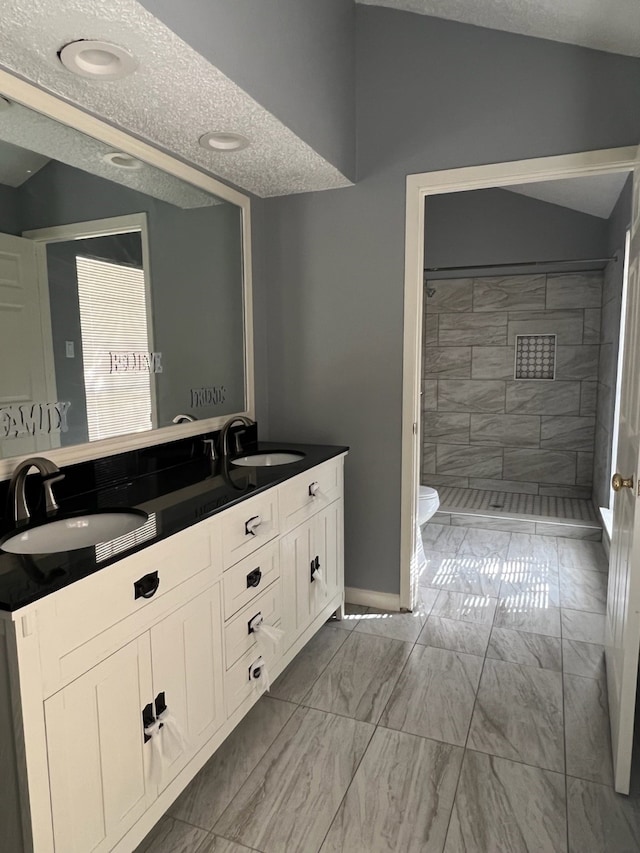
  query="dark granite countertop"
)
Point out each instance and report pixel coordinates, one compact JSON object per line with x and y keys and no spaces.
{"x":175,"y":495}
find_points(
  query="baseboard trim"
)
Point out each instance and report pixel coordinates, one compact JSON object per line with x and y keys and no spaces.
{"x":371,"y":598}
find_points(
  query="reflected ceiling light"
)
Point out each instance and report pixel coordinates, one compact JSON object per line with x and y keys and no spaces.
{"x":98,"y":60}
{"x":122,"y":161}
{"x":223,"y":141}
{"x":4,"y":104}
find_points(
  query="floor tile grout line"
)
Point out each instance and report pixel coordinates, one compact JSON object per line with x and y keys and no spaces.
{"x":564,"y":740}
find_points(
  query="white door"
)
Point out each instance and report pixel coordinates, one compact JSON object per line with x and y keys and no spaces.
{"x":25,"y":342}
{"x":296,"y":555}
{"x":328,"y":551}
{"x":98,"y":760}
{"x":622,"y":639}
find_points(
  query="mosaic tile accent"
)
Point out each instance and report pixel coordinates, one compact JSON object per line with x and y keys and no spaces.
{"x":535,"y":357}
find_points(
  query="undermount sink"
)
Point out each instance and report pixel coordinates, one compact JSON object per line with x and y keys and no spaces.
{"x":73,"y":532}
{"x":266,"y":460}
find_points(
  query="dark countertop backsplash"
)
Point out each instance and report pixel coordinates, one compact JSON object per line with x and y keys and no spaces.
{"x":152,"y":478}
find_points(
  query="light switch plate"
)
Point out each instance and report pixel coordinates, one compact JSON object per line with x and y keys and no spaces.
{"x":70,"y":349}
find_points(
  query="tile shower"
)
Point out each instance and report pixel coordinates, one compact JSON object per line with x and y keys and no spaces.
{"x":529,"y":442}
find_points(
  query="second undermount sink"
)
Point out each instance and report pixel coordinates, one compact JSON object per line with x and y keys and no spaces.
{"x":73,"y":532}
{"x":266,"y":460}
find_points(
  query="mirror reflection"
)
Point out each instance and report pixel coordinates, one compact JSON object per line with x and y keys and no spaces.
{"x":121,"y":292}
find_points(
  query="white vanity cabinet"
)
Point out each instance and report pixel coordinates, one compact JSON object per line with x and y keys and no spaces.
{"x":85,"y":670}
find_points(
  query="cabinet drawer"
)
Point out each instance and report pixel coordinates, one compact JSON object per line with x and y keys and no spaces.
{"x":248,"y":526}
{"x":308,"y":493}
{"x":74,"y":615}
{"x":237,"y":637}
{"x":248,"y":578}
{"x":238,"y":685}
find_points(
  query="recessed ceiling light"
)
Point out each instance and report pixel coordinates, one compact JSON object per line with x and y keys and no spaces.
{"x":99,"y":60}
{"x":4,"y":104}
{"x":223,"y":141}
{"x":122,"y":160}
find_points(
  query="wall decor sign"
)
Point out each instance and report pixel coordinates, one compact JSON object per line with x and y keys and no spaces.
{"x":212,"y":396}
{"x":33,"y":419}
{"x":135,"y":362}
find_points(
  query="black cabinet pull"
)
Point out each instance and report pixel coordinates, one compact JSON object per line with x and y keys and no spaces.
{"x":147,"y":586}
{"x":160,"y":704}
{"x":315,"y":565}
{"x":254,"y":577}
{"x":147,"y":720}
{"x":253,"y":623}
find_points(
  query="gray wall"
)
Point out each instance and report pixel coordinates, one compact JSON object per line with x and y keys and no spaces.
{"x":196,"y":276}
{"x":482,"y":428}
{"x":9,"y":223}
{"x":294,"y":57}
{"x":609,"y":345}
{"x":431,"y":94}
{"x":498,"y":227}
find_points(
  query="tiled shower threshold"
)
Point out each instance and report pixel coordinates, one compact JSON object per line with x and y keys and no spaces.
{"x":571,"y":518}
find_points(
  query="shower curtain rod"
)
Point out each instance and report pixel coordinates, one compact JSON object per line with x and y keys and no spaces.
{"x":521,"y":264}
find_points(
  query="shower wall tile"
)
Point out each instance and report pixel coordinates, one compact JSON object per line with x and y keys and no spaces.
{"x":573,"y":290}
{"x":492,"y":362}
{"x":460,"y":395}
{"x":447,"y":362}
{"x":479,"y":329}
{"x":484,"y":429}
{"x":506,"y":430}
{"x":566,"y":325}
{"x":468,"y":461}
{"x":547,"y":466}
{"x":567,"y":433}
{"x":524,"y":293}
{"x":592,"y":321}
{"x":543,"y":398}
{"x":450,"y":427}
{"x":577,"y":362}
{"x":450,"y":295}
{"x":588,"y":398}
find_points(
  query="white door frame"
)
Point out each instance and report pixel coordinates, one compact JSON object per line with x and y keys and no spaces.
{"x":419,"y":187}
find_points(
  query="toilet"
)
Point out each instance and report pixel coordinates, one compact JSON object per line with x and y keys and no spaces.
{"x":428,"y":503}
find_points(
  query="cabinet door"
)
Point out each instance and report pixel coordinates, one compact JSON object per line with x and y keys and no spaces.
{"x":296,"y":554}
{"x":187,"y":650}
{"x":97,"y":757}
{"x":328,"y":549}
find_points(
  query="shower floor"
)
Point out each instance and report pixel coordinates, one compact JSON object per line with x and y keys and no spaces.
{"x":569,"y":517}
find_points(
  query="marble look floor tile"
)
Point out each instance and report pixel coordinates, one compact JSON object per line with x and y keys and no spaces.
{"x":601,"y":821}
{"x":578,"y":554}
{"x":530,"y":612}
{"x":291,"y":798}
{"x":441,"y":537}
{"x":539,"y":552}
{"x":426,"y":599}
{"x":435,"y":694}
{"x":478,"y":576}
{"x":466,"y":637}
{"x":536,"y":592}
{"x":298,"y":678}
{"x":359,"y":680}
{"x":485,"y":544}
{"x":216,"y":844}
{"x":526,"y":649}
{"x":352,"y":613}
{"x":207,"y":796}
{"x":172,"y":836}
{"x":588,"y":738}
{"x":467,"y":608}
{"x":518,"y":715}
{"x":582,"y":626}
{"x":583,"y":590}
{"x":586,"y":659}
{"x":395,"y":626}
{"x":400,"y":799}
{"x":507,"y":807}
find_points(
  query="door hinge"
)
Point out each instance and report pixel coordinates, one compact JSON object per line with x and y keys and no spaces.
{"x":415,"y":428}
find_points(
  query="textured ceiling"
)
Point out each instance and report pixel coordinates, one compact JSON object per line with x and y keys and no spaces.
{"x":611,"y":25}
{"x":595,"y":195}
{"x":17,"y":164}
{"x":174,"y":96}
{"x":39,"y":136}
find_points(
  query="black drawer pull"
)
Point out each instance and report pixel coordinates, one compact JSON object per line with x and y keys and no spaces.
{"x":254,"y":578}
{"x":147,"y":586}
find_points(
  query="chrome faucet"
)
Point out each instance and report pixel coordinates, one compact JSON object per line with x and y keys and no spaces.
{"x":50,"y":474}
{"x":224,"y":433}
{"x":184,"y":419}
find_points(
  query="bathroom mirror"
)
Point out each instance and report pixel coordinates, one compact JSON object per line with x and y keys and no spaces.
{"x":124,"y":288}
